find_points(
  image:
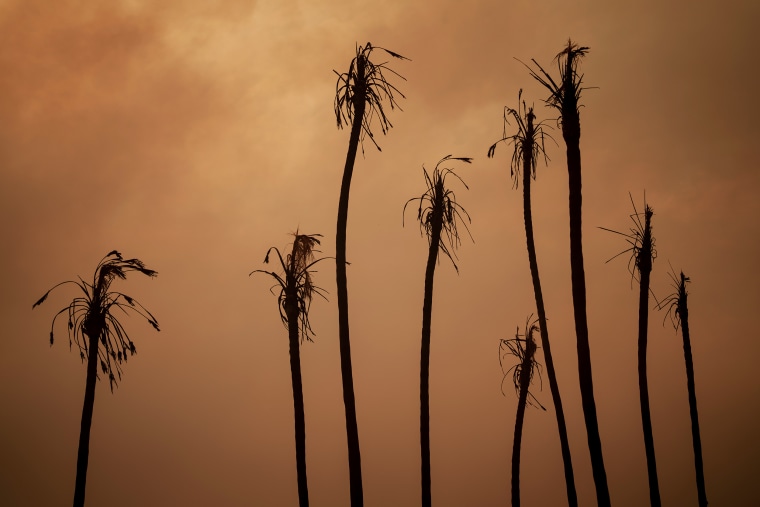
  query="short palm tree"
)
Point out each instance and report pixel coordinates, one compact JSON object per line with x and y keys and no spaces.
{"x":294,"y":300}
{"x":678,"y":309}
{"x":359,"y":97}
{"x":524,"y":349}
{"x":100,"y":337}
{"x":565,"y":97}
{"x":438,"y":214}
{"x":643,"y":254}
{"x":528,"y":145}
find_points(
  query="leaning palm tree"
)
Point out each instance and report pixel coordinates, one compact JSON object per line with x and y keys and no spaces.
{"x":359,"y":97}
{"x":100,"y":337}
{"x":642,"y":257}
{"x":524,"y":349}
{"x":438,"y":214}
{"x":294,"y":300}
{"x":565,"y":96}
{"x":678,"y":309}
{"x":528,"y":145}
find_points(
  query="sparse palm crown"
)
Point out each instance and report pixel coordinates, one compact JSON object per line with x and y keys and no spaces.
{"x":438,"y":208}
{"x":295,"y":281}
{"x":363,"y":89}
{"x":92,"y":314}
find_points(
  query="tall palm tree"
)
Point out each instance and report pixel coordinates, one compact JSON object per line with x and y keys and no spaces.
{"x":359,"y":97}
{"x":565,"y":96}
{"x":642,"y":257}
{"x":678,"y":309}
{"x":528,"y":146}
{"x":438,"y":214}
{"x":100,"y":337}
{"x":524,"y":349}
{"x":296,"y":291}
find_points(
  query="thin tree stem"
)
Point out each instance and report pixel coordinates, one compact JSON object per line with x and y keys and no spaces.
{"x":352,"y":430}
{"x":298,"y":403}
{"x":645,"y":269}
{"x":427,"y":312}
{"x":695,"y":434}
{"x":83,"y":454}
{"x":571,"y":132}
{"x":572,"y":497}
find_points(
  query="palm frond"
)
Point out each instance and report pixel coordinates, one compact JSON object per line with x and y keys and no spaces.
{"x":92,"y":315}
{"x":365,"y":81}
{"x":295,"y":282}
{"x":438,"y":204}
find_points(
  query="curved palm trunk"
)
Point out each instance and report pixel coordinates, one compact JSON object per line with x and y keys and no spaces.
{"x":525,"y":372}
{"x":645,"y":269}
{"x":427,"y":313}
{"x":572,"y":497}
{"x":83,"y":454}
{"x":683,"y":312}
{"x":571,"y":132}
{"x":352,"y":430}
{"x":298,"y":407}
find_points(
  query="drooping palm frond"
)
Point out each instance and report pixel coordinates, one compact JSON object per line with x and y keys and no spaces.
{"x":295,"y":282}
{"x":92,"y":314}
{"x":439,"y":203}
{"x":365,"y":82}
{"x":524,"y":348}
{"x":528,"y":141}
{"x":676,"y":301}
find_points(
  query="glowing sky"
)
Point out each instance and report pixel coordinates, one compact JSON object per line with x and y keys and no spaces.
{"x":195,"y":137}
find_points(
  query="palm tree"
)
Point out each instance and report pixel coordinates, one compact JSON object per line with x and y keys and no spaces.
{"x":359,"y":97}
{"x":528,"y":146}
{"x":438,"y":214}
{"x":100,"y":337}
{"x":296,"y":291}
{"x":678,"y":310}
{"x":642,"y":257}
{"x":522,"y":375}
{"x":565,"y":97}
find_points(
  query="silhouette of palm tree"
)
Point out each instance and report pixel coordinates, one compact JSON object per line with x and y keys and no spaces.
{"x":528,"y":145}
{"x":565,"y":97}
{"x":359,"y":97}
{"x":438,"y":214}
{"x":642,"y":257}
{"x":296,"y":291}
{"x":678,"y":310}
{"x":522,"y":376}
{"x":100,"y":336}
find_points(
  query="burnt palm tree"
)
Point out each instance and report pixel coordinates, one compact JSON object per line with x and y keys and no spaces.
{"x":524,"y":349}
{"x":642,"y":257}
{"x":438,"y":214}
{"x":528,"y":145}
{"x":100,"y":338}
{"x":359,"y":97}
{"x":294,"y":300}
{"x":678,"y":309}
{"x":564,"y":96}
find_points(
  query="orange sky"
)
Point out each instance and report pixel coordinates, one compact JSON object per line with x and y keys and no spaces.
{"x":195,"y":137}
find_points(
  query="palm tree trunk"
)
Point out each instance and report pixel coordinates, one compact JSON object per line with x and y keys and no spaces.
{"x":572,"y":497}
{"x":519,"y":418}
{"x":645,"y":269}
{"x":427,"y":313}
{"x":83,"y":454}
{"x":571,"y":132}
{"x":298,"y":408}
{"x":352,"y":430}
{"x":695,"y":435}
